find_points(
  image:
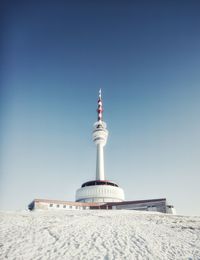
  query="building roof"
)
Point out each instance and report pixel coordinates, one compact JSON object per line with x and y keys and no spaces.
{"x":135,"y":201}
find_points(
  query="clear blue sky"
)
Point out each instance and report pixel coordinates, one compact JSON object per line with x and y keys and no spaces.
{"x":55,"y":55}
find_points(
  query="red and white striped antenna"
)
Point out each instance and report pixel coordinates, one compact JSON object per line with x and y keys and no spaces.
{"x":100,"y":107}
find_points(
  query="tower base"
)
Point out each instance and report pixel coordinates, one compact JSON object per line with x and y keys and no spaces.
{"x":99,"y":191}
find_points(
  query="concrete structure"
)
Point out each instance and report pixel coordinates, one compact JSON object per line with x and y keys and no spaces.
{"x":100,"y":190}
{"x":101,"y":193}
{"x":156,"y":205}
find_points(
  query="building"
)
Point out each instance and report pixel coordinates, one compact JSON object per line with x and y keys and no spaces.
{"x":101,"y":193}
{"x":156,"y":205}
{"x":100,"y":189}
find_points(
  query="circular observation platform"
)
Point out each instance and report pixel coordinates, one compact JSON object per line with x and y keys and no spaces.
{"x":99,"y":191}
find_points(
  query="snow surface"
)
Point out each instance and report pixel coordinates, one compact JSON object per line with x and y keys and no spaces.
{"x":98,"y":234}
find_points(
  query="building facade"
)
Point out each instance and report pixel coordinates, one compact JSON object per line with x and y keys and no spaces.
{"x":155,"y":205}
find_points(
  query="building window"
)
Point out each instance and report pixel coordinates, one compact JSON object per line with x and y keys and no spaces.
{"x":50,"y":205}
{"x":58,"y":206}
{"x":64,"y":206}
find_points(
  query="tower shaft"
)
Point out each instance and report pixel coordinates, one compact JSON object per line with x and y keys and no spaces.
{"x":100,"y":163}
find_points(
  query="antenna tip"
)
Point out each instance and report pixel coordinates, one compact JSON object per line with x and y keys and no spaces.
{"x":100,"y":92}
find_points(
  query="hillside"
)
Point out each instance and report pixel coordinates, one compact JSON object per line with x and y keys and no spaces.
{"x":98,"y":235}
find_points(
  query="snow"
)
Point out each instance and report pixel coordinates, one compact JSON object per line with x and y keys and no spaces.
{"x":98,"y":234}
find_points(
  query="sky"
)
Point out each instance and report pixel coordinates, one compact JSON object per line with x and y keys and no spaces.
{"x":144,"y":55}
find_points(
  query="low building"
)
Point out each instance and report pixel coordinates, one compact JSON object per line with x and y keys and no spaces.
{"x":156,"y":205}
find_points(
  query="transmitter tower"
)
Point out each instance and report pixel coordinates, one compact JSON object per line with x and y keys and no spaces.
{"x":100,"y":189}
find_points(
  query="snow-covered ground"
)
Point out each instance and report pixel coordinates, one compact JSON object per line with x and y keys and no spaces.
{"x":98,"y":235}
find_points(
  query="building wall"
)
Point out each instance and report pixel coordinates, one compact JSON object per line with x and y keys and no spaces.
{"x":159,"y":206}
{"x":57,"y":206}
{"x":154,"y":205}
{"x":100,"y":193}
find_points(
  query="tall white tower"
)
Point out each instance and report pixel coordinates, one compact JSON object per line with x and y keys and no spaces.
{"x":100,"y":135}
{"x":100,"y":190}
